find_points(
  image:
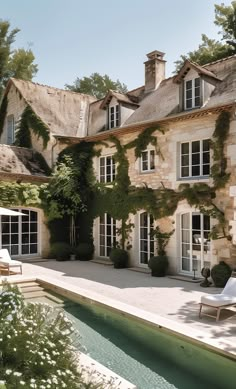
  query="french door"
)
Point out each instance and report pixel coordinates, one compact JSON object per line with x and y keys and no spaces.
{"x":146,"y":240}
{"x":19,"y":234}
{"x":107,"y":234}
{"x":195,"y":242}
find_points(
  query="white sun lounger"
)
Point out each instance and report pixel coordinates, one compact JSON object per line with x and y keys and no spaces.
{"x":7,"y":263}
{"x":227,"y":298}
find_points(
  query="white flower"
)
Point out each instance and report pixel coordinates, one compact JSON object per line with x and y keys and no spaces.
{"x":8,"y":371}
{"x":17,"y":374}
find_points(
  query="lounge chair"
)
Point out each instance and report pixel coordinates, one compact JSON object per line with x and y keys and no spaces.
{"x":225,"y":299}
{"x":7,"y":263}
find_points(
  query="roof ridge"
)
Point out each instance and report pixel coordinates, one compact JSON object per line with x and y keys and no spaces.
{"x":52,"y":87}
{"x":218,"y":60}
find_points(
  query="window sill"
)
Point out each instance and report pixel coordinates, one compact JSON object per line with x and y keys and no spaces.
{"x":192,"y":179}
{"x":147,"y":171}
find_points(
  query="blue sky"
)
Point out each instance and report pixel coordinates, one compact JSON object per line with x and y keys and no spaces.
{"x":75,"y":38}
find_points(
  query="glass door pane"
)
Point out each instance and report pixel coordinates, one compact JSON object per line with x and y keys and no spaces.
{"x":185,"y":243}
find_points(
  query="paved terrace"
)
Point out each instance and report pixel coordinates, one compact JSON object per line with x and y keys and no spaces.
{"x":168,"y":302}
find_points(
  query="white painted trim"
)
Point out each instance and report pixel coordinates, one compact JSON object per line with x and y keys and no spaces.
{"x":148,"y":170}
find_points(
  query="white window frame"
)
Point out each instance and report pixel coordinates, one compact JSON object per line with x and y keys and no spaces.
{"x":113,"y":235}
{"x":149,"y":239}
{"x":193,"y":105}
{"x":10,"y":129}
{"x":114,"y":116}
{"x":20,"y":233}
{"x":150,"y":168}
{"x":103,"y":178}
{"x":196,"y":258}
{"x":190,"y":165}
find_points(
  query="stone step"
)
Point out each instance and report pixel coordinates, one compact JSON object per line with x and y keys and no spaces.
{"x":29,"y":289}
{"x":140,"y":269}
{"x":26,"y":284}
{"x":58,"y":300}
{"x":33,"y":260}
{"x":34,"y":294}
{"x":102,"y":261}
{"x":186,"y":278}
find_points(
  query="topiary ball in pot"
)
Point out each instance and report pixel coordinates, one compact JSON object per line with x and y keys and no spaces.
{"x":84,"y":251}
{"x":158,"y":265}
{"x":220,"y":274}
{"x":119,"y":257}
{"x":61,"y":251}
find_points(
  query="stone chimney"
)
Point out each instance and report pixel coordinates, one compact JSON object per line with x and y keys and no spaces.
{"x":154,"y":70}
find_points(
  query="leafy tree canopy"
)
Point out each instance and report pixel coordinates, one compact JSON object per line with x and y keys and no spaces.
{"x":16,"y":63}
{"x":96,"y":85}
{"x":211,"y":50}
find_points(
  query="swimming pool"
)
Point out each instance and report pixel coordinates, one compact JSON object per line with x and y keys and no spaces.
{"x":148,"y":356}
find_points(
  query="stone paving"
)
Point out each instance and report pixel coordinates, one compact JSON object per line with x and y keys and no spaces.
{"x":170,"y":299}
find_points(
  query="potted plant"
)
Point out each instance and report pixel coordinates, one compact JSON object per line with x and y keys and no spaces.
{"x":119,"y":253}
{"x":119,"y":257}
{"x":84,"y":251}
{"x":220,"y":274}
{"x":159,"y":263}
{"x":61,"y":251}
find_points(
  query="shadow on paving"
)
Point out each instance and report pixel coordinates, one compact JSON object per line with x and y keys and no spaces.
{"x":119,"y":278}
{"x":224,"y":329}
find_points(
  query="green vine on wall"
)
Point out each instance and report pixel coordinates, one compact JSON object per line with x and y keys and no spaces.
{"x":3,"y":112}
{"x":145,"y":138}
{"x":30,"y":121}
{"x":23,"y":194}
{"x":218,"y":169}
{"x":121,"y":199}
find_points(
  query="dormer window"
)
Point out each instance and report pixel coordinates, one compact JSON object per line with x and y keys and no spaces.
{"x":114,"y":116}
{"x":192,"y":93}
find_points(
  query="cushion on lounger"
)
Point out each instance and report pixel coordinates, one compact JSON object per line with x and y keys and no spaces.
{"x":218,"y":300}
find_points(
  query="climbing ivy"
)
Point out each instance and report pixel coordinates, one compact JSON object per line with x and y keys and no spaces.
{"x":30,"y":121}
{"x":3,"y":112}
{"x":218,"y":169}
{"x":144,"y":139}
{"x":23,"y":194}
{"x":120,"y":199}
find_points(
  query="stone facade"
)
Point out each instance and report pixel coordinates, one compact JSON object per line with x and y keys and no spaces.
{"x":72,"y":117}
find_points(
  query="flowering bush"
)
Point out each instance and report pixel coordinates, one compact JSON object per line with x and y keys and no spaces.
{"x":35,"y":346}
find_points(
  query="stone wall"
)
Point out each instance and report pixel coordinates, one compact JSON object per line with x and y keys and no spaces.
{"x":166,"y":173}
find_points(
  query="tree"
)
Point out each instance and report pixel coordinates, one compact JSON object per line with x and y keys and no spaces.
{"x":211,"y":50}
{"x":208,"y":51}
{"x":96,"y":85}
{"x":14,"y":63}
{"x":225,"y":18}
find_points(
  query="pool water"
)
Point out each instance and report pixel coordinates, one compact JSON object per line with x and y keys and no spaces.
{"x":147,"y":356}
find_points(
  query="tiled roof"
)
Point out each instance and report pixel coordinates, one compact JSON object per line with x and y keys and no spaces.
{"x":164,"y":102}
{"x":123,"y":98}
{"x":21,"y":161}
{"x":64,"y":112}
{"x":199,"y":69}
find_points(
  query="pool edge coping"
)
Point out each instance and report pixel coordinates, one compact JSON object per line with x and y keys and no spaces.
{"x":180,"y":330}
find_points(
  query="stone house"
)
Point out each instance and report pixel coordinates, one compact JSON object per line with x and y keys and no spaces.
{"x":189,"y":155}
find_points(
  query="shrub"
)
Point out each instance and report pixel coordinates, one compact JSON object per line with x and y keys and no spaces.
{"x":84,"y":251}
{"x":36,"y":347}
{"x":158,"y":265}
{"x":220,"y":274}
{"x":61,"y":251}
{"x":119,"y":257}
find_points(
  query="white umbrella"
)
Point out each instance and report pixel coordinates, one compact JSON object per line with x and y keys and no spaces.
{"x":9,"y":212}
